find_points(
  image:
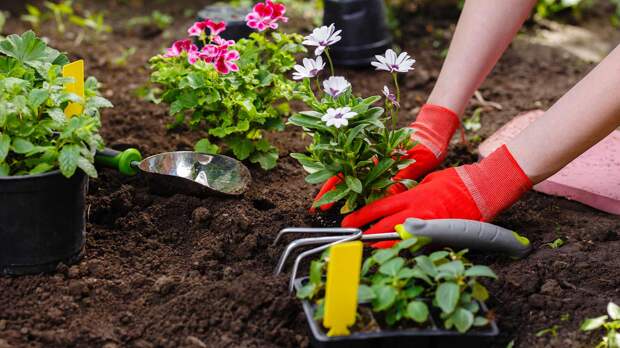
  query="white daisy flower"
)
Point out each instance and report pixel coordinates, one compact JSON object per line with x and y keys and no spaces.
{"x":322,"y":38}
{"x":338,"y":117}
{"x":392,"y":63}
{"x":336,"y":85}
{"x":310,"y":69}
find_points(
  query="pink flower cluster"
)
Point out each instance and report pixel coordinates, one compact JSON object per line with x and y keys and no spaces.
{"x":266,"y":15}
{"x":216,"y":49}
{"x":216,"y":52}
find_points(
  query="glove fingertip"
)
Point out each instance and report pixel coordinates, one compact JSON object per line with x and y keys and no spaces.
{"x":384,"y":245}
{"x":326,"y":207}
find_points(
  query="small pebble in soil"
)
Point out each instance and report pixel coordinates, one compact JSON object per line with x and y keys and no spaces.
{"x":193,"y":341}
{"x":551,"y":287}
{"x":164,"y":285}
{"x":74,"y":272}
{"x":201,"y":215}
{"x":4,"y":344}
{"x":2,"y":324}
{"x":110,"y":345}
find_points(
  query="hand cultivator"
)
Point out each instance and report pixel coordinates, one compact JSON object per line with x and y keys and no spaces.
{"x":456,"y":233}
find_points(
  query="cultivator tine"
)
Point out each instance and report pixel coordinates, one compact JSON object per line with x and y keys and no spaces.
{"x":308,"y":241}
{"x":356,"y":236}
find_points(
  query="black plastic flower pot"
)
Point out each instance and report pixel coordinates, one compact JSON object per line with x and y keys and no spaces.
{"x":234,"y":17}
{"x":365,"y":32}
{"x":432,"y":336}
{"x":42,"y":221}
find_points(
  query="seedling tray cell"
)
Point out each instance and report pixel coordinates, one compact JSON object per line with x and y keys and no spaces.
{"x":432,"y":337}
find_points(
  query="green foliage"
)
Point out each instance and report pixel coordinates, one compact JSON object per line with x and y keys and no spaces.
{"x":63,"y":11}
{"x":35,"y":134}
{"x":366,"y":154}
{"x":398,"y":286}
{"x":239,"y":107}
{"x":556,"y":243}
{"x":158,"y":19}
{"x":551,"y":8}
{"x":611,"y":324}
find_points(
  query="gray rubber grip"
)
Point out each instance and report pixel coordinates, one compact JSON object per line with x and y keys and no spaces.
{"x":470,"y":234}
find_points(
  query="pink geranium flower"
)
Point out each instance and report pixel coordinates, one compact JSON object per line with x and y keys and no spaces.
{"x":221,"y":42}
{"x":266,"y":15}
{"x":178,"y":47}
{"x":215,"y":28}
{"x":225,"y":63}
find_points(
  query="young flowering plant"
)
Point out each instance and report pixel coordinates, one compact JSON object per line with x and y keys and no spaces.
{"x":237,"y":91}
{"x":35,"y":134}
{"x":351,"y":138}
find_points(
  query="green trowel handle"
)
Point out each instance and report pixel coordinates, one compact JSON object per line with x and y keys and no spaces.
{"x":472,"y":234}
{"x":120,"y":160}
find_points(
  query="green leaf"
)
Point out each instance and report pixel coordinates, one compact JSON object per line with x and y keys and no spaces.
{"x":479,"y":292}
{"x":353,"y":183}
{"x":5,"y":143}
{"x":36,"y":97}
{"x":319,"y":177}
{"x":407,"y":243}
{"x":22,"y":146}
{"x":383,"y":166}
{"x":97,"y":102}
{"x":613,"y":310}
{"x":334,"y":195}
{"x":438,"y":255}
{"x":480,"y":271}
{"x":57,"y":115}
{"x":267,"y":160}
{"x":31,"y":51}
{"x":41,"y":168}
{"x":365,"y":294}
{"x":447,"y":296}
{"x":463,"y":319}
{"x":4,"y":169}
{"x":383,"y":255}
{"x":242,"y":148}
{"x":392,"y":267}
{"x":593,"y":323}
{"x":87,"y":166}
{"x":316,"y":271}
{"x":480,"y":321}
{"x":413,"y":291}
{"x":205,"y":146}
{"x":368,"y":263}
{"x":426,"y":265}
{"x":68,"y":159}
{"x":417,"y":311}
{"x":385,"y":297}
{"x":306,"y":291}
{"x":454,"y":267}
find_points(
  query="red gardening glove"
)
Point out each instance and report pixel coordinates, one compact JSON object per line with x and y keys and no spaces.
{"x":434,"y":127}
{"x":475,"y":192}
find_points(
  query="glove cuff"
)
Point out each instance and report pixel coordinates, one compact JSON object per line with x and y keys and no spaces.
{"x":495,"y":183}
{"x":434,"y":127}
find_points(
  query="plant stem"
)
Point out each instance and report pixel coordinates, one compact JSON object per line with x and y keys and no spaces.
{"x":395,"y":112}
{"x":318,"y":85}
{"x":329,"y":59}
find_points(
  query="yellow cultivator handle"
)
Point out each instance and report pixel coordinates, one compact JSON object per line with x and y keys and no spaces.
{"x":343,"y":277}
{"x":75,"y":70}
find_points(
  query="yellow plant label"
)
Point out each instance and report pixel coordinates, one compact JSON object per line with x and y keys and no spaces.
{"x":343,"y":277}
{"x":75,"y":70}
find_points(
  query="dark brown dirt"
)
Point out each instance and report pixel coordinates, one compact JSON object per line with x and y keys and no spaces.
{"x":179,"y":271}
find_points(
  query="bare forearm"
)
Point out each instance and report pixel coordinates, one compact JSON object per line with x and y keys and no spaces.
{"x":484,"y":30}
{"x":580,"y":119}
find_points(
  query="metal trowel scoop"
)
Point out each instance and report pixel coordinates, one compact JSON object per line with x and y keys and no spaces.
{"x":181,"y":171}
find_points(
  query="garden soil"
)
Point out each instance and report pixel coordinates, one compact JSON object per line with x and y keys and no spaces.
{"x":181,"y":271}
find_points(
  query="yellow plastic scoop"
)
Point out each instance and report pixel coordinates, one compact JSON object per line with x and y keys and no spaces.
{"x":76,"y":71}
{"x":343,"y":276}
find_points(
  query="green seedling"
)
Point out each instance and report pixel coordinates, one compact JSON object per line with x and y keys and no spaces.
{"x":159,"y":19}
{"x":610,"y":323}
{"x":33,"y":15}
{"x":553,"y":331}
{"x":559,"y":242}
{"x":59,"y":12}
{"x":35,"y":134}
{"x":122,"y":58}
{"x":93,"y":20}
{"x":396,"y":285}
{"x":3,"y":17}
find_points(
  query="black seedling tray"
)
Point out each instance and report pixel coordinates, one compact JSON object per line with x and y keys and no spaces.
{"x":431,"y":337}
